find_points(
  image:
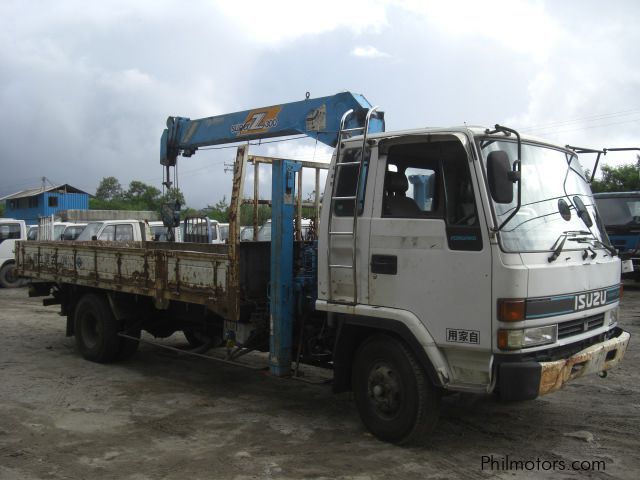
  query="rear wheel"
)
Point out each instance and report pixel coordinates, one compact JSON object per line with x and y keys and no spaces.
{"x":8,"y":277}
{"x":395,"y":398}
{"x":96,"y":329}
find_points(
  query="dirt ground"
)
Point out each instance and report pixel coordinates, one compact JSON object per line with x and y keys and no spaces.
{"x":167,"y":416}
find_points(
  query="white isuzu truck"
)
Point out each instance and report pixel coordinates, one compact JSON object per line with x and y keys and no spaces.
{"x":447,"y":259}
{"x":11,"y":230}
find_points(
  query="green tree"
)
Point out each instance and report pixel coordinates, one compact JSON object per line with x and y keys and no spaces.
{"x":139,"y":196}
{"x":143,"y":196}
{"x":173,"y":195}
{"x":109,"y":189}
{"x":623,"y":178}
{"x":219,"y":211}
{"x":246,"y":214}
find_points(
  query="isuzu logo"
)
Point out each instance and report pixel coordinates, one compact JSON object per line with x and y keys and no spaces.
{"x":590,"y":300}
{"x":543,"y":307}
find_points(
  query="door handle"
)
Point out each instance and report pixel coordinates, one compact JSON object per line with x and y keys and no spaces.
{"x":384,"y":264}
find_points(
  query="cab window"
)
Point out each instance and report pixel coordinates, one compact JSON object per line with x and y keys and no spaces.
{"x":432,"y":180}
{"x":412,"y":183}
{"x":108,"y":234}
{"x":347,"y":181}
{"x":124,"y":233}
{"x":9,"y":231}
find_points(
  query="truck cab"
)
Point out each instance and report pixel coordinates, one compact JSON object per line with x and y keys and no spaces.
{"x":50,"y":230}
{"x":496,"y":292}
{"x":116,"y":230}
{"x":10,"y":231}
{"x":620,"y":213}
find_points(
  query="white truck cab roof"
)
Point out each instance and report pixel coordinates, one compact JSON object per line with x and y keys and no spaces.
{"x":116,"y":230}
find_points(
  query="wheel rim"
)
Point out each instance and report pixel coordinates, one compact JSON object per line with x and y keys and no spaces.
{"x":10,"y":276}
{"x":90,"y":330}
{"x":385,"y":391}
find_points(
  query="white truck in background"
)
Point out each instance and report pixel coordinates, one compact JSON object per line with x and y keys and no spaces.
{"x":10,"y":231}
{"x":48,"y":229}
{"x":116,"y":231}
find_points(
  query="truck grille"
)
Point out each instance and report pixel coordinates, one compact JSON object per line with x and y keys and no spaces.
{"x":581,"y":325}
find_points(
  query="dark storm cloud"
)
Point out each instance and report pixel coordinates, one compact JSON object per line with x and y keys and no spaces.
{"x":85,"y":87}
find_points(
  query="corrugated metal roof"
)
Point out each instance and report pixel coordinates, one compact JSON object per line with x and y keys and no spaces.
{"x":64,"y":188}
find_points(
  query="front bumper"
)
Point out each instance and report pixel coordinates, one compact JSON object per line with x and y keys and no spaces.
{"x":528,"y":380}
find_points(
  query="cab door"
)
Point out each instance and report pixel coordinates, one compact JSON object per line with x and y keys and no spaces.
{"x":429,"y":252}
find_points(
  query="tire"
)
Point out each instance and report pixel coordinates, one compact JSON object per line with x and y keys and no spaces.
{"x":395,"y":399}
{"x":8,"y":278}
{"x":96,"y":329}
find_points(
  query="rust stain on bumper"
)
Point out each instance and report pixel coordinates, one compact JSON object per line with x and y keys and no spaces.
{"x":596,"y":358}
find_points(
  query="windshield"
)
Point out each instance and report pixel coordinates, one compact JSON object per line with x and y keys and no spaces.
{"x":58,"y":230}
{"x":160,"y":233}
{"x":618,"y":211}
{"x":89,"y":232}
{"x":264,"y":233}
{"x":246,"y":234}
{"x":224,"y":232}
{"x":72,"y":232}
{"x":550,"y":177}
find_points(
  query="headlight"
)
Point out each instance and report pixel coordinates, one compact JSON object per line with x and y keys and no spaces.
{"x":613,"y":316}
{"x":528,"y":337}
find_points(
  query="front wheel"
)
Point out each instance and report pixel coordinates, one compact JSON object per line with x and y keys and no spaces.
{"x":396,"y":400}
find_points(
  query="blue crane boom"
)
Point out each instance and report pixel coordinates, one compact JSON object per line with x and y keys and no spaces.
{"x":316,"y":117}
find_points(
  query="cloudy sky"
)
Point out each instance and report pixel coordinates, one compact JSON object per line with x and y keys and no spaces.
{"x":86,"y":87}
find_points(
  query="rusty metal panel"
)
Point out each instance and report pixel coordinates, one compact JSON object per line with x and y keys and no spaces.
{"x":237,"y":190}
{"x":135,"y":267}
{"x":590,"y":360}
{"x":196,"y":272}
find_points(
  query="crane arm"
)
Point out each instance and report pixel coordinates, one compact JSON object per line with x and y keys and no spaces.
{"x":316,"y":117}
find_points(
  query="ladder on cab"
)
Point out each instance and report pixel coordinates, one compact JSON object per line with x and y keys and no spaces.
{"x":342,"y":135}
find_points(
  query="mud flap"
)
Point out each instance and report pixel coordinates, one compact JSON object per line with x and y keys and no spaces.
{"x":519,"y":381}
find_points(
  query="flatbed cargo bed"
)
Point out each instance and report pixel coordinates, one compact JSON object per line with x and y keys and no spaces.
{"x":192,"y":273}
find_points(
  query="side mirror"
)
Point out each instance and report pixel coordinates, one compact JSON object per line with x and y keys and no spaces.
{"x":583,"y":213}
{"x":500,"y":176}
{"x":94,"y":238}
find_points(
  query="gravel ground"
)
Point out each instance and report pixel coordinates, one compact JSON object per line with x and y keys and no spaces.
{"x":163,"y":415}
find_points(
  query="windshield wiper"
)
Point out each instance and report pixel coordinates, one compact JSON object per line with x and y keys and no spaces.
{"x":558,"y":245}
{"x":595,"y":242}
{"x":585,"y":254}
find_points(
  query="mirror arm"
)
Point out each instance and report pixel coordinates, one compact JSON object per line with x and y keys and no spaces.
{"x":580,"y":150}
{"x":595,"y":167}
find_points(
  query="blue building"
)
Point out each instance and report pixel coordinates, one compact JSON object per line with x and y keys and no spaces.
{"x":29,"y":205}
